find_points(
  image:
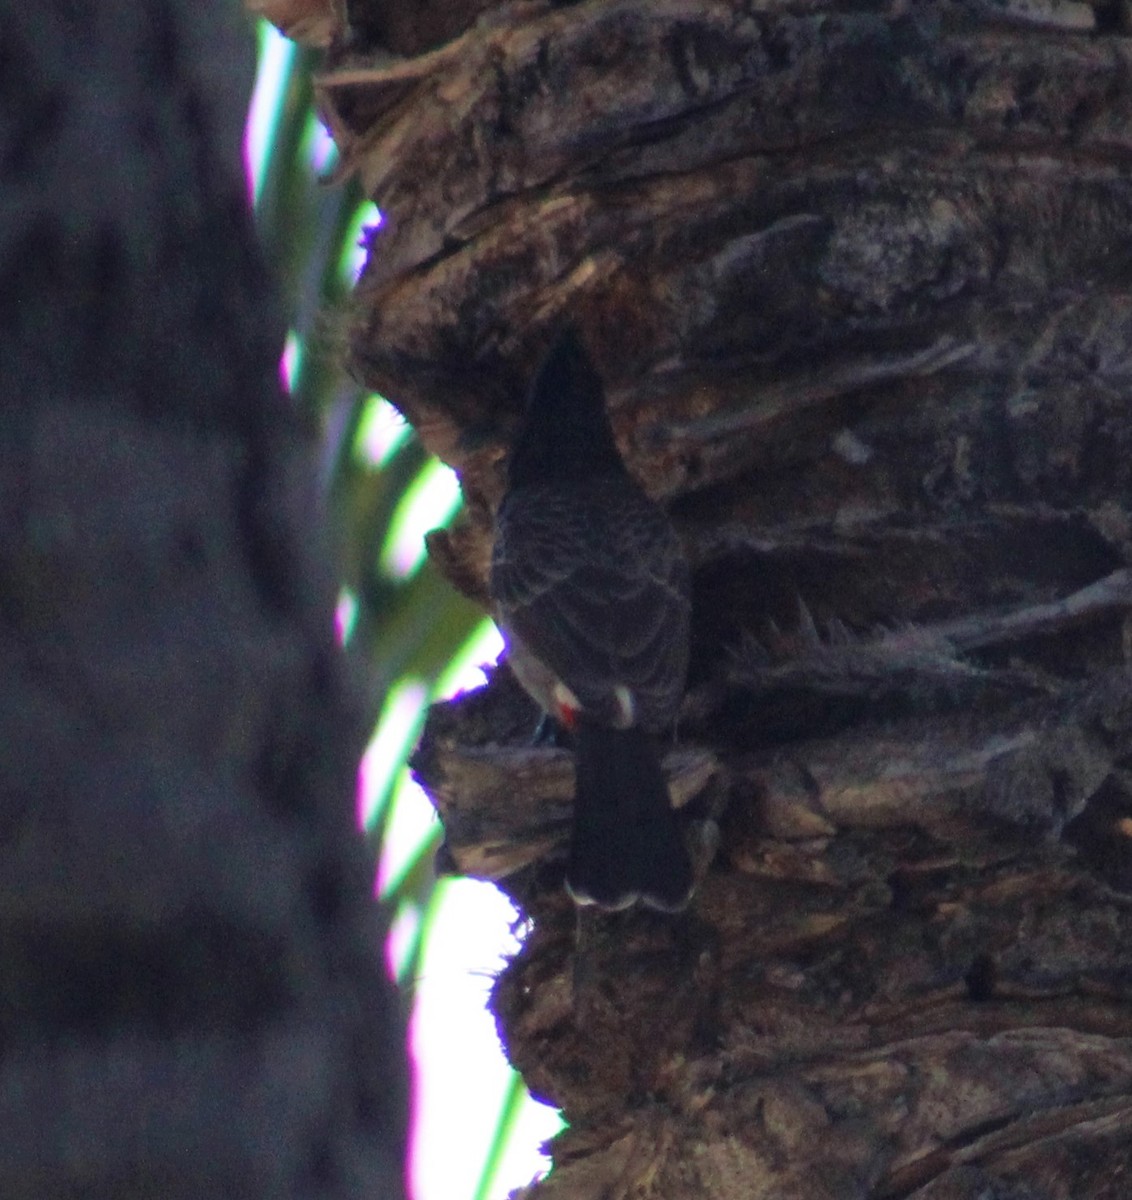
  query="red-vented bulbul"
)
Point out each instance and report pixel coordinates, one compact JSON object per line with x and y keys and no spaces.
{"x":591,"y":591}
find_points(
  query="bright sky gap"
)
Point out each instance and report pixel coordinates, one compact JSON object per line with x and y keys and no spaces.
{"x":461,"y":1076}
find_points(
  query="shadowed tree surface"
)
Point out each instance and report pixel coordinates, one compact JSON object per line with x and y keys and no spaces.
{"x":857,"y":279}
{"x":192,"y":996}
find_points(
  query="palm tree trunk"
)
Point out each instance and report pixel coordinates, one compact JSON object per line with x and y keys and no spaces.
{"x":858,"y":283}
{"x":193,"y":1000}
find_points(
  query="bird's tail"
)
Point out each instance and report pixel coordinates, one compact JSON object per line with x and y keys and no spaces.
{"x":628,"y":844}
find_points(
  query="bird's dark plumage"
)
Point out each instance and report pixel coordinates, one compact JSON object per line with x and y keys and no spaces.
{"x":591,"y":589}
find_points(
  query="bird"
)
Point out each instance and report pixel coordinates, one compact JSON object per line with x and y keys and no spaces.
{"x":591,"y":591}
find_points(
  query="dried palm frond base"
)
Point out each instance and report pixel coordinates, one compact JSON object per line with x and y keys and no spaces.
{"x":858,"y":281}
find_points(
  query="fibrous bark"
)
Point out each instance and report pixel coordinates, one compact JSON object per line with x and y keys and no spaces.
{"x":192,"y":999}
{"x":858,"y":280}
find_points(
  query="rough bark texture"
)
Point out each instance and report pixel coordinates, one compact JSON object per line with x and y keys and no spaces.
{"x":192,"y":1000}
{"x":858,"y":279}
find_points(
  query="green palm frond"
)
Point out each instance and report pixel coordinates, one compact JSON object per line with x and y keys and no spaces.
{"x":406,"y":622}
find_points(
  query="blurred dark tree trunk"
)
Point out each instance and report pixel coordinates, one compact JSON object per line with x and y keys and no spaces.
{"x":192,"y":995}
{"x":858,"y":279}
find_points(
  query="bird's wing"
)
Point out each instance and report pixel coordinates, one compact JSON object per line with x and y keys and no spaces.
{"x":597,"y":590}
